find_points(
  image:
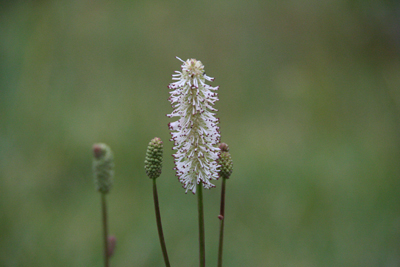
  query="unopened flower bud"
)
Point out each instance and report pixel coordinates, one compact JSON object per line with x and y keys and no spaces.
{"x":103,"y":167}
{"x":112,"y":241}
{"x":154,"y":157}
{"x":224,"y":147}
{"x":225,"y":161}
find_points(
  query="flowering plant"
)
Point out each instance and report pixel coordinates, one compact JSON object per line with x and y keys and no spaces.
{"x":195,"y":133}
{"x":198,"y":160}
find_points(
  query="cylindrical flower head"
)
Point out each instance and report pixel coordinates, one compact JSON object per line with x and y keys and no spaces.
{"x":195,"y":133}
{"x":154,"y":157}
{"x":225,"y":161}
{"x":103,"y":167}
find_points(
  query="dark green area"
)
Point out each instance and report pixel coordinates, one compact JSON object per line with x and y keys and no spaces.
{"x":309,"y":106}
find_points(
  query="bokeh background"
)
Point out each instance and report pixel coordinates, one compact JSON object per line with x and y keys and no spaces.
{"x":309,"y":105}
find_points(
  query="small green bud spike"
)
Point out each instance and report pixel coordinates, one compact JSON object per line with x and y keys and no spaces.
{"x":103,"y":167}
{"x":225,"y":161}
{"x":154,"y":157}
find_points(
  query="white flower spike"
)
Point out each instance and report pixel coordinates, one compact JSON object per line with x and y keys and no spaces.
{"x":195,"y":133}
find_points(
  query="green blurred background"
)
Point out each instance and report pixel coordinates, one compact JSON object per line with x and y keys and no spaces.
{"x":309,"y":105}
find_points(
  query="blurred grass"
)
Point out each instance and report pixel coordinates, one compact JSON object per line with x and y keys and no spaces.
{"x":309,"y":104}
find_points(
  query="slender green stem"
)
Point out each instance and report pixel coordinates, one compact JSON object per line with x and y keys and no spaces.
{"x":221,"y":225}
{"x":159,"y":225}
{"x":202,"y":247}
{"x":105,"y":229}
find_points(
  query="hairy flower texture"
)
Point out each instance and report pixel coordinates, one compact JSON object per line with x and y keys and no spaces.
{"x":195,"y":133}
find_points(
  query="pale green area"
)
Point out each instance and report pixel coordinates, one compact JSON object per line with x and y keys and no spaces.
{"x":309,"y":105}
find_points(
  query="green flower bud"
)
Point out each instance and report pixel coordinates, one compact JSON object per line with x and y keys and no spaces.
{"x":225,"y":161}
{"x":224,"y":147}
{"x":154,"y":157}
{"x":103,"y":167}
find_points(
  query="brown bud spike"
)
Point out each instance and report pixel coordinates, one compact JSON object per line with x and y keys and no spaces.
{"x":112,"y":241}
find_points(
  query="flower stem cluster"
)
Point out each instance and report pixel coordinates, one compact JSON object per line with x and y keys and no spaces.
{"x":195,"y":133}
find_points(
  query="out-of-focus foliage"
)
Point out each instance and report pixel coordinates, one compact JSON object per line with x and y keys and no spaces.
{"x":309,"y":105}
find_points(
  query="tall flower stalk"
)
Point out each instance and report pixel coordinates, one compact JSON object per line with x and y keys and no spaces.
{"x":195,"y":134}
{"x":103,"y":170}
{"x":225,"y":162}
{"x":153,"y":167}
